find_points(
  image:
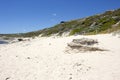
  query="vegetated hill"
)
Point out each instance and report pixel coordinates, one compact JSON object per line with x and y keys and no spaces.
{"x":100,"y":23}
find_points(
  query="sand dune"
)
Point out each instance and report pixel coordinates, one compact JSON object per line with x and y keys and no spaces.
{"x":46,"y":59}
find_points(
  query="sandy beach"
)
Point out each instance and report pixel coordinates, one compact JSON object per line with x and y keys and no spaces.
{"x":44,"y":58}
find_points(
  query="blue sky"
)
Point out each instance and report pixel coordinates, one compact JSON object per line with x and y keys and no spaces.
{"x":28,"y":15}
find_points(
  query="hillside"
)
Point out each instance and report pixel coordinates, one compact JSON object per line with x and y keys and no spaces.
{"x":96,"y":24}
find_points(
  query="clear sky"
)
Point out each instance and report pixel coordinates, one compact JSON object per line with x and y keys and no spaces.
{"x":29,"y":15}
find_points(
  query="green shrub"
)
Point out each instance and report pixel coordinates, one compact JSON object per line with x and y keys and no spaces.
{"x":76,"y":31}
{"x":107,"y":25}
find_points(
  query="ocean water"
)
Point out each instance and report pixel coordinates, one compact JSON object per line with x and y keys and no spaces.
{"x":3,"y":42}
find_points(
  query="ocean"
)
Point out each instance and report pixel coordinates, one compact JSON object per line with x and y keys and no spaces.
{"x":3,"y":42}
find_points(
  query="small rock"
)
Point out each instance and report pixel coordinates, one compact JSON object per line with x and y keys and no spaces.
{"x":7,"y":78}
{"x":70,"y":78}
{"x":28,"y":57}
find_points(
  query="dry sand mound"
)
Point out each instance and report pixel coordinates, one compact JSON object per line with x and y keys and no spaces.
{"x":45,"y":59}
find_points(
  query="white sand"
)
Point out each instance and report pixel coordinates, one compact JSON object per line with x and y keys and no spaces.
{"x":45,"y":59}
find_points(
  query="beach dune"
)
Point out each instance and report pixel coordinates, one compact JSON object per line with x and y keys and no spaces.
{"x":45,"y":58}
